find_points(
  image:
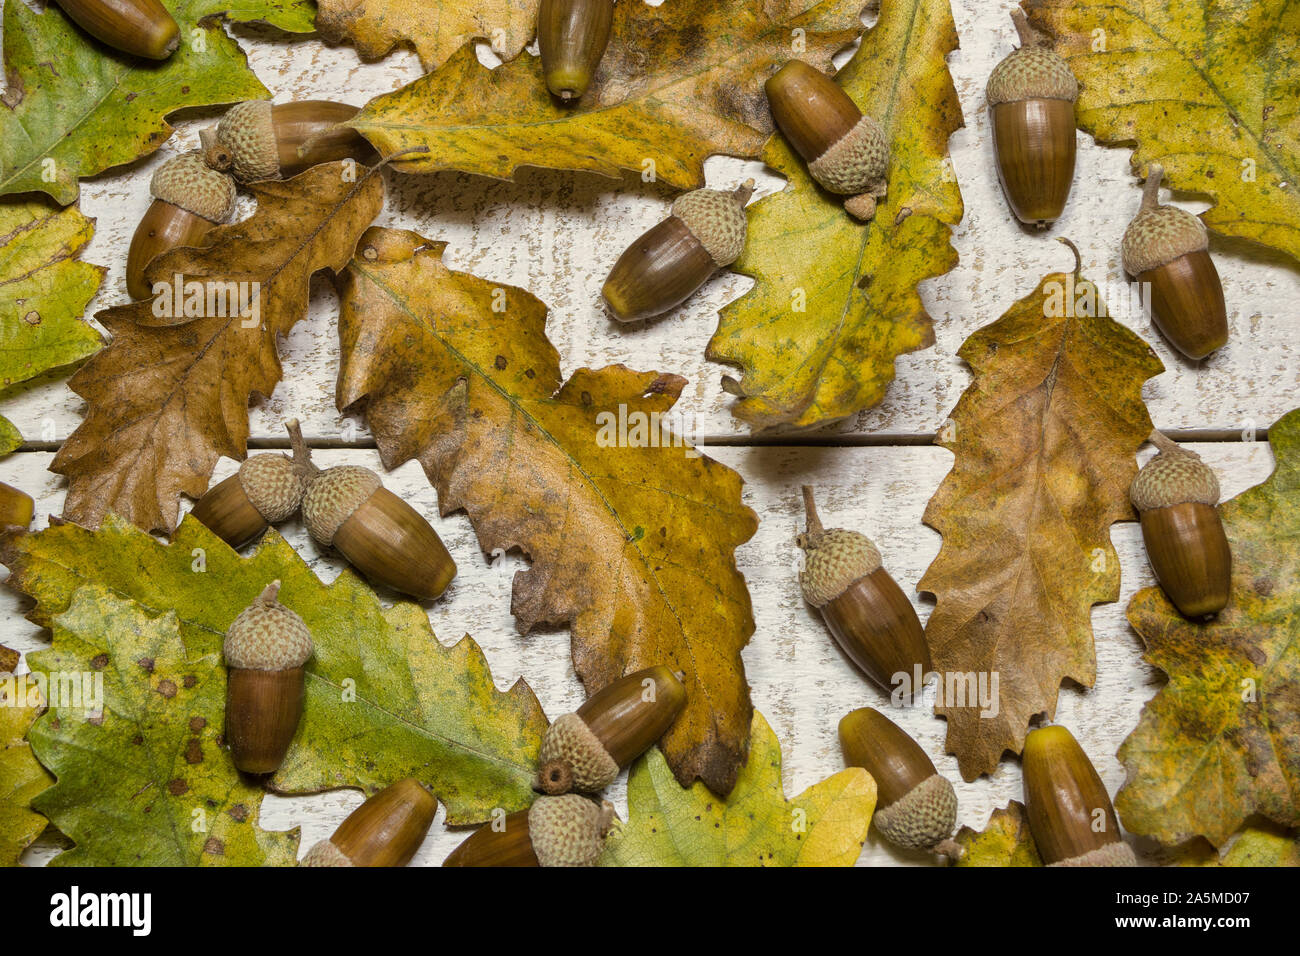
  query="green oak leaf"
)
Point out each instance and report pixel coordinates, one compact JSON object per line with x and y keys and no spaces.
{"x":291,"y":16}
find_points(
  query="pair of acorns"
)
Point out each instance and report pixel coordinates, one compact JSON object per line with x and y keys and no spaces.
{"x":345,"y":507}
{"x":582,"y":753}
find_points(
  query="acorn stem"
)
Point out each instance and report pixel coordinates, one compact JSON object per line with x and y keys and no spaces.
{"x":1028,"y":35}
{"x":269,"y":593}
{"x":1167,"y":445}
{"x":743,"y":192}
{"x":1151,"y":190}
{"x":810,"y":511}
{"x":302,"y":462}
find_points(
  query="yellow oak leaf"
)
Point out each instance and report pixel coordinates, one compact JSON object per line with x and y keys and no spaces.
{"x":1004,"y":841}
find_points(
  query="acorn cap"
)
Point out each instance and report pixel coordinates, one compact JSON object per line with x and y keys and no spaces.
{"x":717,"y":219}
{"x":187,"y":182}
{"x":325,"y":853}
{"x":1174,"y":477}
{"x":247,"y":133}
{"x":833,"y":558}
{"x":1111,"y":854}
{"x":921,"y":818}
{"x":1160,"y":234}
{"x":858,"y":162}
{"x":1031,"y":73}
{"x":267,"y":636}
{"x":573,"y":751}
{"x":273,"y":485}
{"x":332,"y":495}
{"x":568,"y":830}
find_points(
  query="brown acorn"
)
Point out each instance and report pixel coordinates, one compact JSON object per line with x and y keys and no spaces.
{"x":348,"y":508}
{"x":266,"y":490}
{"x":704,"y":233}
{"x":139,"y":27}
{"x":1031,"y":98}
{"x":255,"y":140}
{"x":564,"y":830}
{"x":1167,"y":250}
{"x":916,"y":808}
{"x":846,"y":152}
{"x":265,"y":650}
{"x":571,"y":37}
{"x":386,"y":830}
{"x":1176,"y":495}
{"x":1069,"y":811}
{"x":867,"y":612}
{"x":189,"y":199}
{"x":584,"y":750}
{"x":16,"y":508}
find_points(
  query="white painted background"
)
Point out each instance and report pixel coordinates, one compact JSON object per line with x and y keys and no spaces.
{"x":557,"y":235}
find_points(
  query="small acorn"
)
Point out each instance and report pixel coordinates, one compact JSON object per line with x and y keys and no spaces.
{"x":255,"y":140}
{"x":347,"y":507}
{"x":266,"y":490}
{"x":1069,"y":811}
{"x":189,"y":199}
{"x":571,"y":37}
{"x":265,"y":650}
{"x":867,"y":612}
{"x":564,"y":830}
{"x":846,"y":152}
{"x":1176,"y":495}
{"x":386,"y":830}
{"x":140,"y":27}
{"x":1031,"y":98}
{"x":705,"y":232}
{"x":16,"y":508}
{"x":1167,"y":249}
{"x":585,"y":750}
{"x":916,"y":808}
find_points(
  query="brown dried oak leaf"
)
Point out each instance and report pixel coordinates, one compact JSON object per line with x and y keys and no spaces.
{"x":169,"y":396}
{"x":1044,"y":440}
{"x":632,"y":545}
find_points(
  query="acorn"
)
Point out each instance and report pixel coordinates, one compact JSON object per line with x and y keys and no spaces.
{"x":348,"y":508}
{"x":140,"y":27}
{"x":564,"y":830}
{"x":1176,"y":495}
{"x":585,"y":750}
{"x":16,"y":508}
{"x":265,"y":650}
{"x":1167,"y":249}
{"x":189,"y":199}
{"x":867,"y":612}
{"x":916,"y":808}
{"x":266,"y":490}
{"x":255,"y":140}
{"x":386,"y":830}
{"x":1069,"y":811}
{"x":846,"y":152}
{"x":1031,"y":97}
{"x":571,"y":36}
{"x":705,"y":232}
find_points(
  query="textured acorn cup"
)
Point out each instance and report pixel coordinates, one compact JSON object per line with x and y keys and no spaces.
{"x":265,"y":650}
{"x":189,"y":198}
{"x":1070,"y":813}
{"x":256,"y":141}
{"x":1176,"y":495}
{"x":565,"y":830}
{"x":386,"y":830}
{"x":915,"y":807}
{"x":571,"y":37}
{"x":139,"y":27}
{"x":1167,"y":249}
{"x":846,"y":152}
{"x":16,"y":508}
{"x":664,"y":268}
{"x":387,"y":540}
{"x":266,"y":490}
{"x":1031,"y":96}
{"x":584,"y":750}
{"x":867,"y":612}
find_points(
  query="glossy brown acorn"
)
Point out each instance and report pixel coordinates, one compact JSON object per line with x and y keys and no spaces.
{"x":1069,"y":811}
{"x":139,"y":27}
{"x":16,"y":508}
{"x":584,"y":750}
{"x":1031,"y":97}
{"x":867,"y":612}
{"x":564,"y":830}
{"x":386,"y":830}
{"x":572,"y":36}
{"x":256,"y":141}
{"x":1167,"y":250}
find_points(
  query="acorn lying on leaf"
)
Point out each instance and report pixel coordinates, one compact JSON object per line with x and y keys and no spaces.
{"x":565,"y":830}
{"x":142,"y":28}
{"x":255,"y":140}
{"x":386,"y":830}
{"x":571,"y":38}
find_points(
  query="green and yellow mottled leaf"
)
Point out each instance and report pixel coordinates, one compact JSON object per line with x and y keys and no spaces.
{"x":1254,"y":846}
{"x":1004,"y":841}
{"x":21,"y":775}
{"x":291,"y":16}
{"x":434,"y":30}
{"x":10,"y":439}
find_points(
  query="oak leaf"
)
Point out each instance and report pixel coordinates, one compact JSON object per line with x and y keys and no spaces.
{"x":835,"y":301}
{"x":21,"y":775}
{"x":632,"y":536}
{"x":1216,"y":745}
{"x":1044,"y":441}
{"x":169,"y":396}
{"x":1253,"y":846}
{"x":756,"y":825}
{"x":1004,"y":841}
{"x":678,"y":83}
{"x":1206,"y":89}
{"x":385,"y":699}
{"x":291,"y":16}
